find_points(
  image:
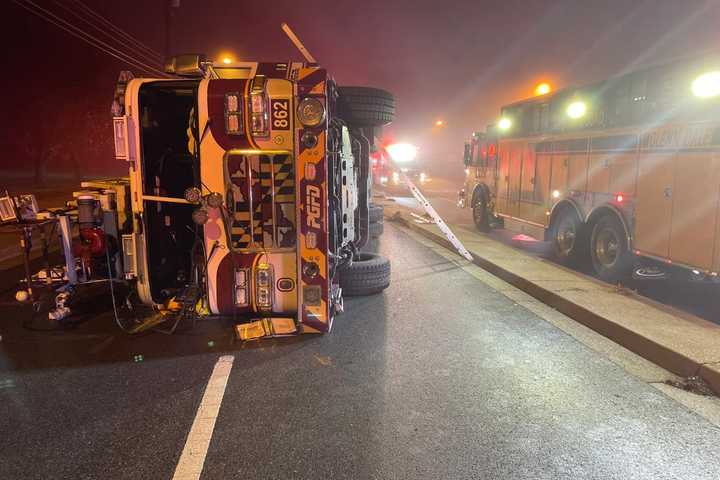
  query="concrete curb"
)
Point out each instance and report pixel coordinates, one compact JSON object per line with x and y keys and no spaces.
{"x":664,"y":355}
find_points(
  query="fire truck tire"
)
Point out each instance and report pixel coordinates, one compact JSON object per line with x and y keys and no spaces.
{"x":366,"y":106}
{"x":568,"y":238}
{"x":368,"y":274}
{"x":481,"y":216}
{"x":376,"y":213}
{"x":609,"y":251}
{"x":376,"y":229}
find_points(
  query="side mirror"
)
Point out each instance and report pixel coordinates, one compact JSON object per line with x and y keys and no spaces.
{"x":467,"y":157}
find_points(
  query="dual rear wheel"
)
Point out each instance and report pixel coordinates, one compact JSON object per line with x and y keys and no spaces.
{"x":603,"y":242}
{"x":369,"y":273}
{"x":375,"y":220}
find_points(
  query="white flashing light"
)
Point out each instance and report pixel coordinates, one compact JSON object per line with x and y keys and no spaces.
{"x":707,"y":85}
{"x":556,"y":193}
{"x":402,"y":152}
{"x":576,"y":109}
{"x":504,"y":123}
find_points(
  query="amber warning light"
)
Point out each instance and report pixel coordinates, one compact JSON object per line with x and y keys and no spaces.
{"x":543,"y":88}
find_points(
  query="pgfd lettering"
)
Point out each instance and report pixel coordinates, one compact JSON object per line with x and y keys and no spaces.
{"x":312,"y":202}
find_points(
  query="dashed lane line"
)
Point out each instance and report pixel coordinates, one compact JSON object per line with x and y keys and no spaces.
{"x":193,"y":455}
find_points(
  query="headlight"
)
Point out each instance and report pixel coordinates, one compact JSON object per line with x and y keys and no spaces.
{"x":258,"y":106}
{"x":576,"y":109}
{"x":396,"y":177}
{"x":192,"y":195}
{"x":311,"y":112}
{"x":200,"y":216}
{"x":383,"y":179}
{"x":707,"y":85}
{"x":423,"y":177}
{"x":233,"y":114}
{"x":214,"y":200}
{"x":264,"y":285}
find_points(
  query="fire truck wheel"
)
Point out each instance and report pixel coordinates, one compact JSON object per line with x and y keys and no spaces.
{"x":376,"y":229}
{"x":369,"y":273}
{"x":366,"y":106}
{"x":567,"y":237}
{"x":611,"y":257}
{"x":376,"y":213}
{"x":481,"y":216}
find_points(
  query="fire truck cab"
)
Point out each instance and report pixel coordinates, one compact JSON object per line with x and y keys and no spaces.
{"x":249,"y":190}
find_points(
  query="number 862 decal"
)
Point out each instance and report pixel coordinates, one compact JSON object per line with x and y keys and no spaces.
{"x":280,"y":114}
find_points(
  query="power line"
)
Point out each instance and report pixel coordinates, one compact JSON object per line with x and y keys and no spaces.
{"x":134,"y":50}
{"x":86,"y":37}
{"x":118,"y":30}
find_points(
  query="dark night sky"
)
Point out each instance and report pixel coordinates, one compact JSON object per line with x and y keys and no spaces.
{"x":459,"y":61}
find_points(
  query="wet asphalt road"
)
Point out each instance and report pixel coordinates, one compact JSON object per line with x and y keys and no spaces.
{"x":440,"y":376}
{"x":700,"y":299}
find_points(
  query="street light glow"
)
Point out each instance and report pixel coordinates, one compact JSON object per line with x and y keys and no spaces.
{"x":439,"y":123}
{"x":543,"y":89}
{"x":402,"y":152}
{"x":707,"y":85}
{"x":227,"y":60}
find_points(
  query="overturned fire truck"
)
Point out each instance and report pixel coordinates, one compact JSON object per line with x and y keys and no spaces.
{"x":248,"y":193}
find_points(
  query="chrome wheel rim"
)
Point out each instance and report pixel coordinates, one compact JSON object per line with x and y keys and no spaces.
{"x":607,"y":247}
{"x":565,"y":236}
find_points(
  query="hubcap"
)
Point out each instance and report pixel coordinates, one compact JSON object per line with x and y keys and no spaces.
{"x":607,"y":246}
{"x":565,"y":236}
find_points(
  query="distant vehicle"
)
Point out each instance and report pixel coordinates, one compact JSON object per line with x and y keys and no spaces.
{"x":381,"y":166}
{"x":394,"y":183}
{"x":623,"y":173}
{"x":416,"y":175}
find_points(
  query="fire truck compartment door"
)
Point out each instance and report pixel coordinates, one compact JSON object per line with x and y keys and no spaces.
{"x":653,"y":212}
{"x":695,"y":195}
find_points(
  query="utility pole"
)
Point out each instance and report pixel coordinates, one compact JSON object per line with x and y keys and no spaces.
{"x":170,"y":8}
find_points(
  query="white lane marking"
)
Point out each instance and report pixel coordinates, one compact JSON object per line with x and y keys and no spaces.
{"x":193,"y":455}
